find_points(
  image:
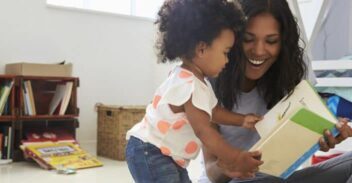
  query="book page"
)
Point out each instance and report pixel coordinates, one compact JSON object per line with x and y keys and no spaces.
{"x":303,"y":95}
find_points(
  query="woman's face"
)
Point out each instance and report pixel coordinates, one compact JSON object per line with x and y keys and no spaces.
{"x":262,"y":44}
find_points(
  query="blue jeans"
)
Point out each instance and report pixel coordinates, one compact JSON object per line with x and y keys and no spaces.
{"x":148,"y":165}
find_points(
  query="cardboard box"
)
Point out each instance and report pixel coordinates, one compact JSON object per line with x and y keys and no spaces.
{"x":113,"y":124}
{"x":34,"y":69}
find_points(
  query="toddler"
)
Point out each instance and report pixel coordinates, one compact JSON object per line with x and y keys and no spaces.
{"x":199,"y":33}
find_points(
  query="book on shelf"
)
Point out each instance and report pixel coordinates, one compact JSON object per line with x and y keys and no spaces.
{"x":26,"y":100}
{"x":7,"y":110}
{"x":51,"y":155}
{"x":5,"y":93}
{"x":1,"y":142}
{"x":5,"y":145}
{"x":6,"y":141}
{"x":290,"y":131}
{"x":31,"y":99}
{"x":9,"y":142}
{"x":3,"y":161}
{"x":57,"y":98}
{"x":60,"y":99}
{"x":66,"y":99}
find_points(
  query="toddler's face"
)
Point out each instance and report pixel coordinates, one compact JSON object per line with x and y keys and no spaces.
{"x":215,"y":55}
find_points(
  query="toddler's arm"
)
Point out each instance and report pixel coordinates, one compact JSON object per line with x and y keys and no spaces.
{"x":226,"y":117}
{"x":234,"y":159}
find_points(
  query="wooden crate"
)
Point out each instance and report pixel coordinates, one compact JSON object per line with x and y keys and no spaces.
{"x":113,"y":124}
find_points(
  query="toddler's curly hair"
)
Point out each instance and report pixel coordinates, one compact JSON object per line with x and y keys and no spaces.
{"x":182,"y":24}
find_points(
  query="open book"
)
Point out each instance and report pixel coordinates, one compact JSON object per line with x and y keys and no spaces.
{"x":290,"y":131}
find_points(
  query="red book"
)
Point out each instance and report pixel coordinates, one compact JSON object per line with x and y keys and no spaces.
{"x":48,"y":135}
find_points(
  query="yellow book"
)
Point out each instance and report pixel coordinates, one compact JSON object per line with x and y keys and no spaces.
{"x":61,"y":155}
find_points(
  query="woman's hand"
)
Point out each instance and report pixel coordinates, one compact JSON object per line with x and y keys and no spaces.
{"x":330,"y":142}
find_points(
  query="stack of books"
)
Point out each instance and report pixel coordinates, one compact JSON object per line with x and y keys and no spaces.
{"x":56,"y":149}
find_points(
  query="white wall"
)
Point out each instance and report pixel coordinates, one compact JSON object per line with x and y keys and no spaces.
{"x":112,"y":55}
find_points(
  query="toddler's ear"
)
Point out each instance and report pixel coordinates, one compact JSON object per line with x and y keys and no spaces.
{"x":200,"y":49}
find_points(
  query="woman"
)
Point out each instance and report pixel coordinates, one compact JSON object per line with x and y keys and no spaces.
{"x":266,"y":67}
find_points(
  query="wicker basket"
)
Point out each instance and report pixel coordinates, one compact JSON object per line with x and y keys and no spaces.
{"x":113,"y":123}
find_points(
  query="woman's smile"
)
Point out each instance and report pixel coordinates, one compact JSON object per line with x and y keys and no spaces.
{"x":256,"y":62}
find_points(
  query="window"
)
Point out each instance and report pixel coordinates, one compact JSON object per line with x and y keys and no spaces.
{"x":140,"y":8}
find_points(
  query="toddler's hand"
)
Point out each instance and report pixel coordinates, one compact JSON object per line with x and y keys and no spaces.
{"x":250,"y":120}
{"x":244,"y":163}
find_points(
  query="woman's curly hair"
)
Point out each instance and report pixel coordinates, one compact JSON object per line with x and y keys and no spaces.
{"x":283,"y":75}
{"x":182,"y":24}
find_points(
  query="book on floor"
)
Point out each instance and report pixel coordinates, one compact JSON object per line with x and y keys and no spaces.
{"x":290,"y":131}
{"x":51,"y":155}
